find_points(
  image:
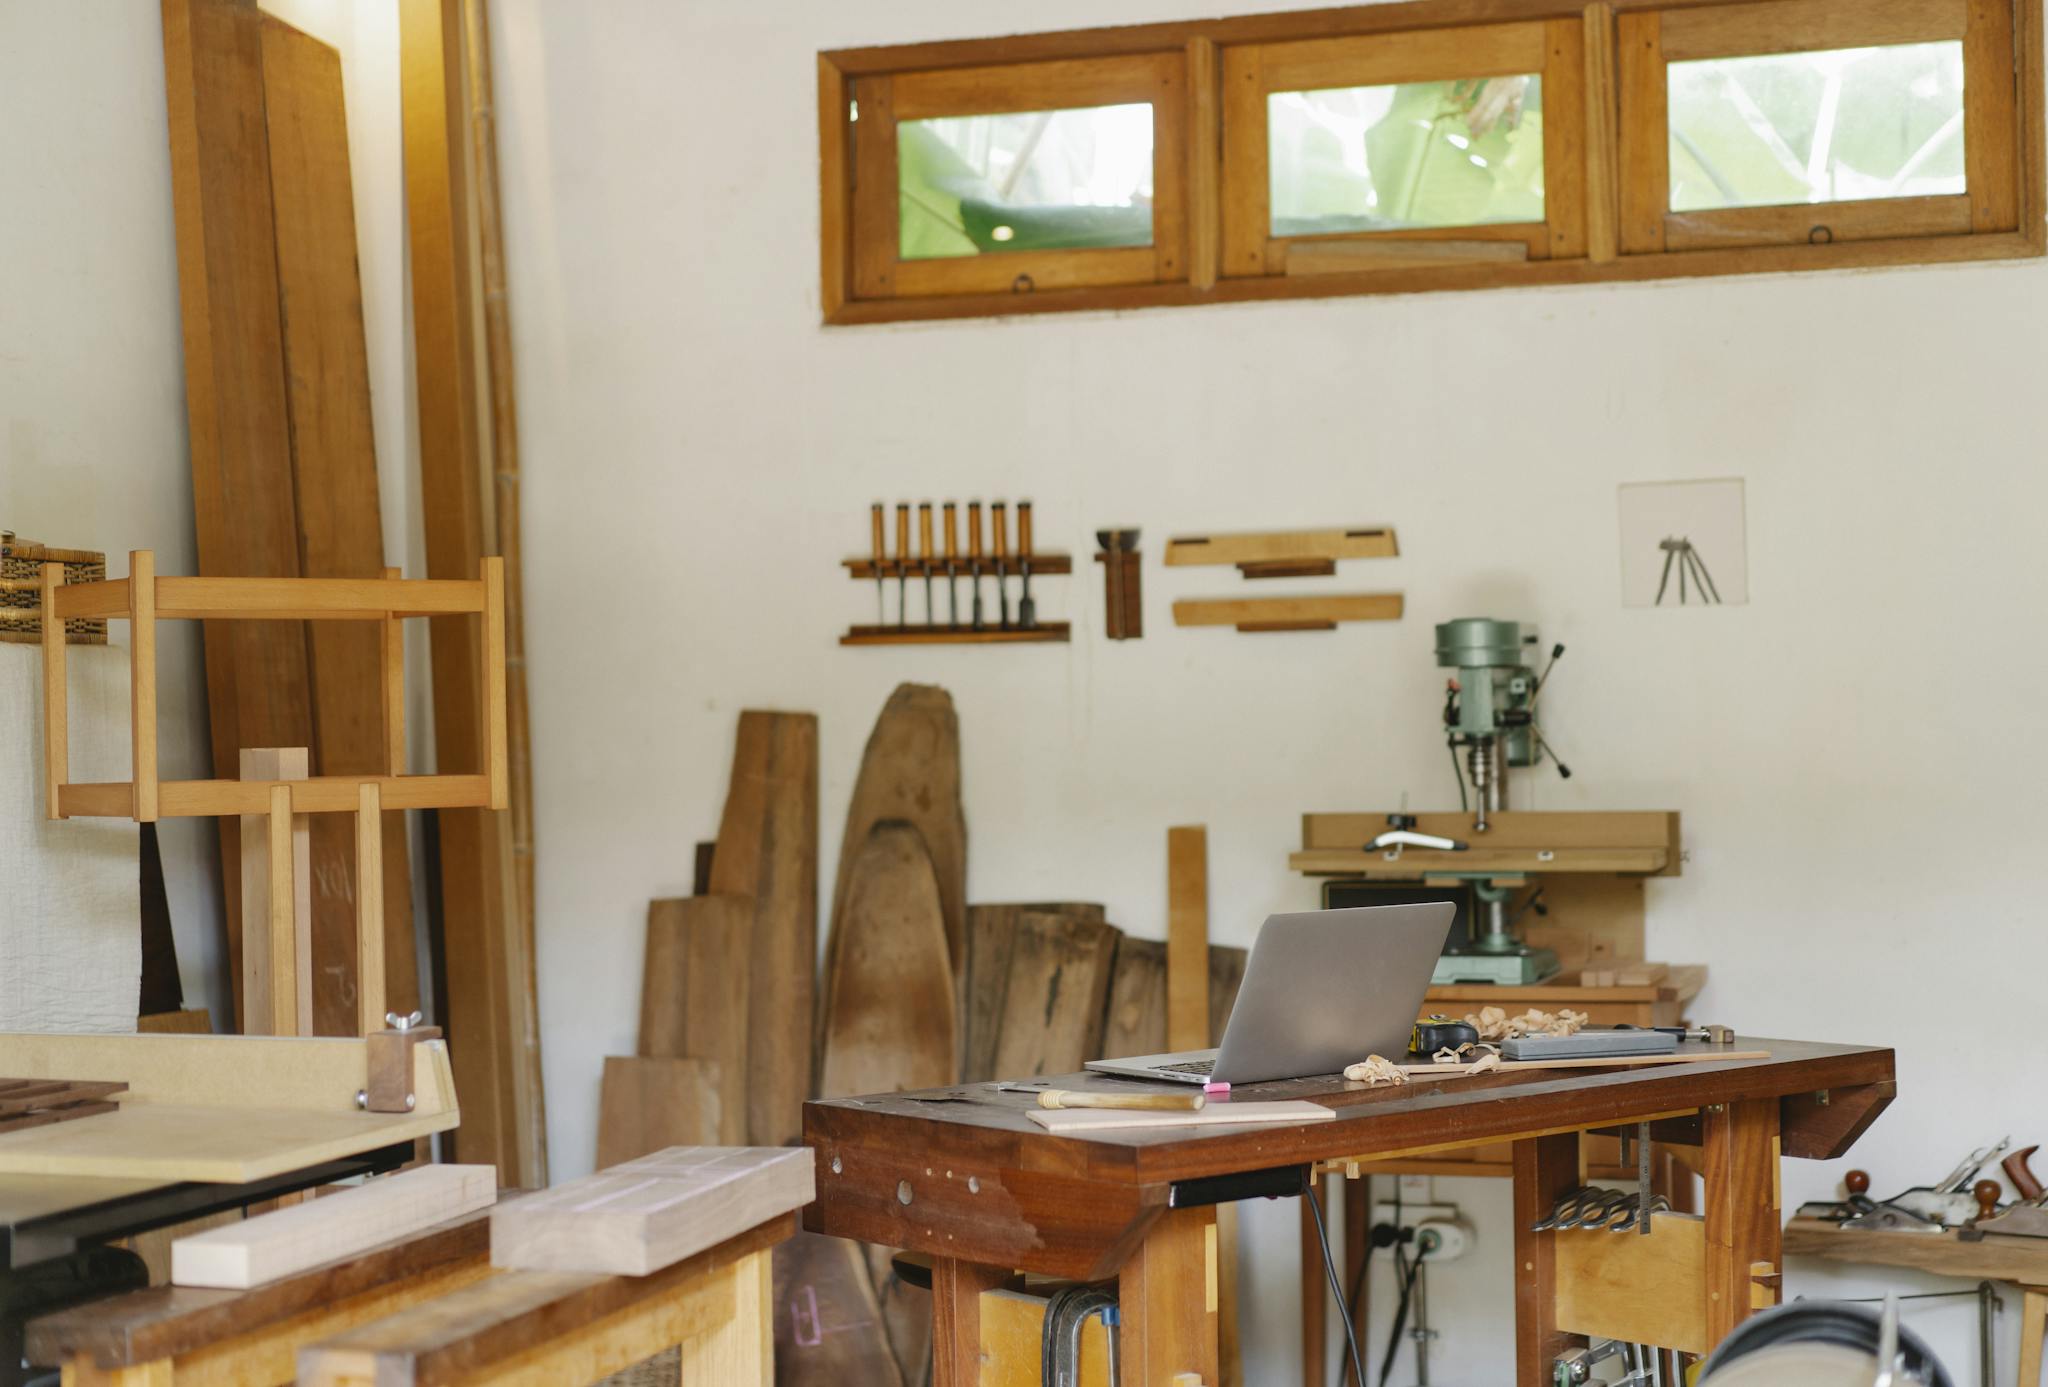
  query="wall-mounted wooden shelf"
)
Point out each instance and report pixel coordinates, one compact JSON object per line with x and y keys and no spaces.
{"x":915,"y":634}
{"x":1288,"y":613}
{"x":1515,"y":844}
{"x":1284,"y":553}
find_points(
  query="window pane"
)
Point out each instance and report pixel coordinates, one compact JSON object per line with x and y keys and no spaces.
{"x":1836,"y":126}
{"x":1034,"y":180}
{"x":1415,"y":155}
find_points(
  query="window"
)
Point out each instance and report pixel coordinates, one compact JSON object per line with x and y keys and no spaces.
{"x":1018,"y":178}
{"x":1400,"y":147}
{"x":1815,"y":121}
{"x":1342,"y":154}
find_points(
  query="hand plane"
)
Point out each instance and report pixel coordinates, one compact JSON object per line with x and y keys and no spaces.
{"x":1921,"y":1209}
{"x":2025,"y":1218}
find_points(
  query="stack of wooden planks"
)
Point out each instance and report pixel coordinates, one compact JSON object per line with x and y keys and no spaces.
{"x":284,"y":472}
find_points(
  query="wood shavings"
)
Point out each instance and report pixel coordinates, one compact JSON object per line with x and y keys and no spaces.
{"x":1375,"y":1070}
{"x":1493,"y":1023}
{"x":1489,"y":1060}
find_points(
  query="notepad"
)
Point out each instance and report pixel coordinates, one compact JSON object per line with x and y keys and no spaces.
{"x":1081,"y":1121}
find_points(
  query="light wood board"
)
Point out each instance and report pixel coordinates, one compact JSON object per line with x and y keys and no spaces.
{"x":1287,"y":611}
{"x":1082,"y":1121}
{"x":768,"y":851}
{"x":253,"y":1252}
{"x":889,"y":1012}
{"x":1640,"y":1290}
{"x":648,"y":1104}
{"x":1134,"y":1020}
{"x":650,"y":1213}
{"x":693,"y":994}
{"x":1187,"y":938}
{"x":1350,"y":542}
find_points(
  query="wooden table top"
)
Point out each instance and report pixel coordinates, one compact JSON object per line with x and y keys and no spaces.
{"x":978,"y":1121}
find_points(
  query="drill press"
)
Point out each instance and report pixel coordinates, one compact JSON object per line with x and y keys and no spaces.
{"x":1490,"y":712}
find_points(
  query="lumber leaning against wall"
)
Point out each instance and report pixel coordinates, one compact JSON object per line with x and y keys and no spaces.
{"x":492,"y":1020}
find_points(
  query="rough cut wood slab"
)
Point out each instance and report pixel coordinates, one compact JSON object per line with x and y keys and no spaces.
{"x":1354,"y":542}
{"x":649,"y":1104}
{"x":828,"y":1322}
{"x":257,"y":1251}
{"x":1187,"y":938}
{"x":1052,"y":1015}
{"x":1134,"y":1020}
{"x":637,"y":1218}
{"x":911,"y":771}
{"x":172,"y":1321}
{"x":334,"y":480}
{"x":991,"y":941}
{"x":1287,"y":611}
{"x":542,"y":1327}
{"x":768,"y":851}
{"x":693,"y":995}
{"x":889,"y":1012}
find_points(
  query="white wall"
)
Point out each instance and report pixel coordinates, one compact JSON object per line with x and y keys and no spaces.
{"x":1856,"y":753}
{"x":92,"y":395}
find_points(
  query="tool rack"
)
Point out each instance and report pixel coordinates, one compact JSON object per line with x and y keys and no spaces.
{"x":868,"y":569}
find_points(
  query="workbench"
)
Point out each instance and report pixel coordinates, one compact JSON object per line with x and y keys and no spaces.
{"x":963,"y":1176}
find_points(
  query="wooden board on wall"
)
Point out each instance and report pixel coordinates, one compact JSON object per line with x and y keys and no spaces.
{"x":768,"y":851}
{"x":334,"y":480}
{"x":492,"y":1024}
{"x":1134,"y":1019}
{"x":991,"y":941}
{"x":237,"y":416}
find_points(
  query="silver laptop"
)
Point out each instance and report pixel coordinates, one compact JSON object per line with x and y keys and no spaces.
{"x":1321,"y":990}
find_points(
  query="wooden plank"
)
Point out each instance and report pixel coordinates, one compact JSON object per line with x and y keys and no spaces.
{"x":1050,"y":86}
{"x":768,"y":851}
{"x":991,"y":944}
{"x":257,"y":1251}
{"x":56,"y":694}
{"x":1187,"y":938}
{"x":1995,"y":1258}
{"x":1803,"y":224}
{"x":537,"y":1328}
{"x":910,"y":770}
{"x":647,"y":1214}
{"x":835,"y":187}
{"x":1637,"y":1289}
{"x":235,"y":398}
{"x":142,"y":682}
{"x":1277,"y":611}
{"x":1603,"y":173}
{"x":1565,"y":140}
{"x":888,"y":1006}
{"x":1421,"y":55}
{"x":957,"y":1291}
{"x":1643,"y":147}
{"x":1268,"y":546}
{"x":741,"y":1349}
{"x":1012,"y":1328}
{"x":275,"y":989}
{"x":1134,"y":1019}
{"x":1801,"y":26}
{"x":218,"y":798}
{"x":1416,"y":863}
{"x":318,"y":598}
{"x":1051,"y":1021}
{"x":1247,"y":217}
{"x":1991,"y":125}
{"x":1167,"y":1298}
{"x":340,"y":527}
{"x":1546,"y":1167}
{"x":875,"y":189}
{"x":1390,"y":253}
{"x":828,"y":1325}
{"x":372,"y":992}
{"x":650,"y":1104}
{"x":1205,"y":164}
{"x":1740,"y":1147}
{"x":183,"y":1322}
{"x":489,"y":966}
{"x":693,"y":998}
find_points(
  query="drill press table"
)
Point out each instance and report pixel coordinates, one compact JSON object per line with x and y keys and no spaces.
{"x":961,"y":1175}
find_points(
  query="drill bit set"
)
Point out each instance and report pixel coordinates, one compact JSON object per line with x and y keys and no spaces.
{"x":968,"y":617}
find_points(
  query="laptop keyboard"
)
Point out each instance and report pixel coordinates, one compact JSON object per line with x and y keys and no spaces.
{"x":1190,"y":1067}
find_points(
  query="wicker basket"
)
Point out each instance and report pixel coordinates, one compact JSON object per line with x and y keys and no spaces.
{"x":21,"y":590}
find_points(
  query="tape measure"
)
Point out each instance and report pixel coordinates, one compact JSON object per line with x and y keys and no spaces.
{"x":1441,"y":1033}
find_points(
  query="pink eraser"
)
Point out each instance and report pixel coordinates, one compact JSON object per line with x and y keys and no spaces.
{"x":1213,"y":1087}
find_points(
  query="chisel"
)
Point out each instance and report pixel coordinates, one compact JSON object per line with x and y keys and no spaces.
{"x":902,"y":564}
{"x":1192,"y":1101}
{"x":974,"y":556}
{"x":1027,"y":610}
{"x":999,"y":532}
{"x":881,"y":556}
{"x":924,"y":553}
{"x":952,"y":558}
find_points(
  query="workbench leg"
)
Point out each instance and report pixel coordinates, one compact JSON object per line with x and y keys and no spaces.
{"x":1545,"y":1168}
{"x":1167,"y":1295}
{"x":1744,"y":1254}
{"x":81,"y":1371}
{"x":956,"y":1319}
{"x":1315,"y":1323}
{"x":2033,"y":1327}
{"x":739,"y":1350}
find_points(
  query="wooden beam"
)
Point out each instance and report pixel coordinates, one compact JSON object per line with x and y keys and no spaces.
{"x":275,"y":878}
{"x":693,"y":994}
{"x":1187,"y":938}
{"x":1743,"y":1235}
{"x":56,"y":696}
{"x":1546,"y":1167}
{"x":371,"y":990}
{"x":1277,"y":613}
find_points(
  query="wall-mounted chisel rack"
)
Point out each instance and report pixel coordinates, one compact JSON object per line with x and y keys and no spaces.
{"x":955,"y":574}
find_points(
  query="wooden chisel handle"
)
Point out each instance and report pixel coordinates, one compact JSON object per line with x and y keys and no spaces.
{"x":974,"y":531}
{"x":924,"y":533}
{"x":881,"y":550}
{"x":952,"y":532}
{"x":903,"y":536}
{"x":1151,"y":1102}
{"x":1023,"y":529}
{"x":999,"y":527}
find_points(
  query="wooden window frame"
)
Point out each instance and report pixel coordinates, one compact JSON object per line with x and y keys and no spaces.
{"x":1155,"y":79}
{"x":1552,"y":48}
{"x":1627,"y":234}
{"x":1651,"y":41}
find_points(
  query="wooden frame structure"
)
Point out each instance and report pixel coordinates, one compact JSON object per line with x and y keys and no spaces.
{"x":1606,"y":179}
{"x":143,"y":599}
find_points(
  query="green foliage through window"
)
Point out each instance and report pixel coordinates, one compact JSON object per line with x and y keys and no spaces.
{"x":1420,"y":154}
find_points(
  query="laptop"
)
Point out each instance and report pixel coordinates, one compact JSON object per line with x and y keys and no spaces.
{"x":1322,"y":989}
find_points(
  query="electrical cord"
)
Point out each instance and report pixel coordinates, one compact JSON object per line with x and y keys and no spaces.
{"x":1407,"y":1271}
{"x":1308,"y":1191}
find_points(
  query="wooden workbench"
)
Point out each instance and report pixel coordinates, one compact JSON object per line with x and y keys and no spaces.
{"x":963,"y":1176}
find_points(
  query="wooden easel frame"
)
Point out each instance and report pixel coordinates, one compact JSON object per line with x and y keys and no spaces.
{"x":143,"y":599}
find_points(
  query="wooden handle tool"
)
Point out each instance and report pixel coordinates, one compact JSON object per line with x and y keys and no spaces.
{"x":881,"y":557}
{"x":999,"y":533}
{"x":902,"y":563}
{"x":952,"y":561}
{"x":1191,"y":1101}
{"x":924,"y":553}
{"x":974,"y":556}
{"x":1027,"y":610}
